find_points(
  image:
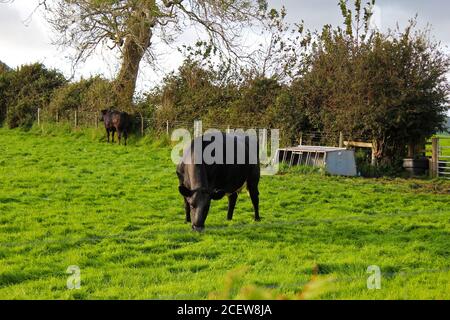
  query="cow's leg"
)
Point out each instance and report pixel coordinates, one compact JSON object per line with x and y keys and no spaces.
{"x":107,"y":134}
{"x":125,"y":136}
{"x":232,"y":198}
{"x":113,"y":132}
{"x":119,"y":135}
{"x":187,"y":209}
{"x":254,"y":195}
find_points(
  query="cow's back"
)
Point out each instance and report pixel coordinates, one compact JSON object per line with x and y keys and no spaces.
{"x":225,"y":176}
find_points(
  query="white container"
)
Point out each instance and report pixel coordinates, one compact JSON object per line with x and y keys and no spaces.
{"x":337,"y":161}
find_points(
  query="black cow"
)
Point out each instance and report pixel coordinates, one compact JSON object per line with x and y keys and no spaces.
{"x":106,"y":117}
{"x":202,"y":181}
{"x":116,"y":121}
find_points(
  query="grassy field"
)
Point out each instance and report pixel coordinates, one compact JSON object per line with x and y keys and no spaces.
{"x":444,"y":141}
{"x":68,"y":198}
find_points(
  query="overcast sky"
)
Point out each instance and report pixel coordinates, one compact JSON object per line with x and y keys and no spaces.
{"x":22,"y":43}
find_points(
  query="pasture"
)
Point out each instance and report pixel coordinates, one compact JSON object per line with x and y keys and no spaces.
{"x":444,"y":141}
{"x":68,"y":198}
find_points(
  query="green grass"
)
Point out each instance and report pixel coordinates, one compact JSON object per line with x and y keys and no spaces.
{"x":68,"y":198}
{"x":444,"y":141}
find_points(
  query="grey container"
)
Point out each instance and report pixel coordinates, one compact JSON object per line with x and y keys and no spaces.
{"x":337,"y":161}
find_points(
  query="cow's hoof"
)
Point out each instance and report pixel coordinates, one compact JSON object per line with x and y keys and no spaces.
{"x":198,"y":229}
{"x":258,"y":219}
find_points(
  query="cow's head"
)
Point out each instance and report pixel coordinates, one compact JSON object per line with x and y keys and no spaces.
{"x":199,"y":201}
{"x":103,"y":114}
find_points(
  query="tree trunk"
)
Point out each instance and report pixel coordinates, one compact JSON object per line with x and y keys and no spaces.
{"x":133,"y":51}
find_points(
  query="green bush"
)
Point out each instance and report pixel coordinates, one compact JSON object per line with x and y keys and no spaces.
{"x":86,"y":95}
{"x":25,"y":90}
{"x":22,"y":114}
{"x":366,"y":169}
{"x":5,"y":94}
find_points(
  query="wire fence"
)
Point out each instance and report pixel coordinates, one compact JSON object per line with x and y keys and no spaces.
{"x":142,"y":125}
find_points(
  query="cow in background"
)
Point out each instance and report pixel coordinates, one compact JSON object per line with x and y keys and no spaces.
{"x":107,"y":121}
{"x":116,"y":121}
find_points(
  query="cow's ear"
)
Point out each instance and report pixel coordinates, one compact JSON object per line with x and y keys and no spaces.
{"x":217,"y":194}
{"x":185,"y":192}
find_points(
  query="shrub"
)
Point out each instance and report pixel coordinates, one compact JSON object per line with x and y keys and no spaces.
{"x":88,"y":95}
{"x":25,"y":90}
{"x":22,"y":114}
{"x":5,"y":94}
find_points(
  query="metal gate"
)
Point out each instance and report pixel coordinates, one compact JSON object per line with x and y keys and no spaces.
{"x":443,"y":157}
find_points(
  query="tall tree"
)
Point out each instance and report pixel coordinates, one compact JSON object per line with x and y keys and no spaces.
{"x":390,"y":88}
{"x":133,"y":27}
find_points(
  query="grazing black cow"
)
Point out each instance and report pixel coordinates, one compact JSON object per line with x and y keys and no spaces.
{"x":116,"y":121}
{"x":106,"y":117}
{"x":202,"y":181}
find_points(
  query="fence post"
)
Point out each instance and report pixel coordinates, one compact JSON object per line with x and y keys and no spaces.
{"x":39,"y":116}
{"x":373,"y":161}
{"x":57,"y":116}
{"x":341,"y":139}
{"x":434,"y":170}
{"x":76,"y":118}
{"x":142,"y":125}
{"x":167,"y":127}
{"x":96,"y":119}
{"x":301,"y":139}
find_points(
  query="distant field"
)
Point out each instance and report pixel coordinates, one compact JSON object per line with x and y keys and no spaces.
{"x":444,"y":141}
{"x":71,"y":199}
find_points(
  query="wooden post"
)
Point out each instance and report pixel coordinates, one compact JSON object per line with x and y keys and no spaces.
{"x":142,"y":125}
{"x":57,"y":116}
{"x":341,"y":139}
{"x":411,"y":150}
{"x":300,"y":142}
{"x":373,"y":161}
{"x":96,"y":119}
{"x":76,"y":118}
{"x":39,"y":116}
{"x":167,"y":127}
{"x":434,"y":157}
